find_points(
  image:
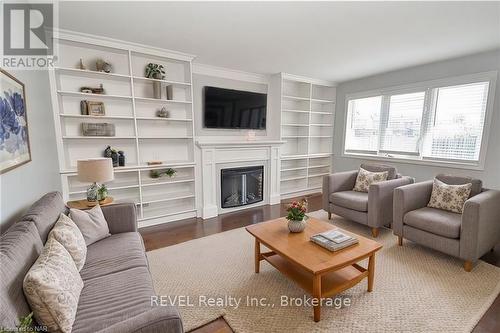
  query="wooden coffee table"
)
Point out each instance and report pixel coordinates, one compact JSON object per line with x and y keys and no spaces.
{"x":318,"y":271}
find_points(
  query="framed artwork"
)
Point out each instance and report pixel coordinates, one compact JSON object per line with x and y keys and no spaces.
{"x":14,"y":139}
{"x":95,"y":108}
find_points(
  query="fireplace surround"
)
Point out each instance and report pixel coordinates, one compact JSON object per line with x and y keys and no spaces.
{"x":217,"y":156}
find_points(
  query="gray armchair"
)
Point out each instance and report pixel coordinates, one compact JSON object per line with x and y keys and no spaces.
{"x":374,"y":208}
{"x":466,"y":236}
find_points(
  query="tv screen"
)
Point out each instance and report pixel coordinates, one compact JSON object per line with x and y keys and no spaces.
{"x":226,"y":108}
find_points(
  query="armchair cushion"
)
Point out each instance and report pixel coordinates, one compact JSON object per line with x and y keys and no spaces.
{"x":449,"y":197}
{"x":351,"y":199}
{"x":391,"y":171}
{"x":435,"y":221}
{"x":365,"y":178}
{"x":477,"y":184}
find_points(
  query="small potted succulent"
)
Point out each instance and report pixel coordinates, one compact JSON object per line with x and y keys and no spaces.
{"x":157,"y":72}
{"x":296,"y":215}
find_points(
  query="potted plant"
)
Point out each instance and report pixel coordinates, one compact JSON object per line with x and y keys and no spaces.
{"x":155,"y":71}
{"x":159,"y":173}
{"x":296,"y":215}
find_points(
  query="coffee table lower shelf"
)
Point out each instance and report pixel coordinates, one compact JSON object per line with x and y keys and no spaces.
{"x":332,"y":283}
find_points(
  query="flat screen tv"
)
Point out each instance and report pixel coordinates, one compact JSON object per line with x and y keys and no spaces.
{"x":226,"y":108}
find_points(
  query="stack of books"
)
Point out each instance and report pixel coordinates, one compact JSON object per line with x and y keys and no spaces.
{"x":334,"y":240}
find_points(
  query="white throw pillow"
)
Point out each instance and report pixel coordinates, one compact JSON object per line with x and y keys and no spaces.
{"x":365,"y":178}
{"x":449,"y":197}
{"x":66,"y":232}
{"x":52,"y":287}
{"x":91,"y":223}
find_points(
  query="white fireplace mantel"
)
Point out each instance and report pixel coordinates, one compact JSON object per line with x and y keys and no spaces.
{"x":248,"y":143}
{"x":215,"y":155}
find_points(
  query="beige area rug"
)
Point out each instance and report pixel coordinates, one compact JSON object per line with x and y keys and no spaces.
{"x":416,"y":289}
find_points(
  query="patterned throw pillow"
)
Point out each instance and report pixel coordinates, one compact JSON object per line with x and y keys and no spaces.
{"x":66,"y":232}
{"x":366,"y":178}
{"x":449,"y":197}
{"x":52,"y":287}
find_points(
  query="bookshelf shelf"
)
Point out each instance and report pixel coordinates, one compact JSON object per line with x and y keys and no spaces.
{"x":130,"y":107}
{"x":307,"y":109}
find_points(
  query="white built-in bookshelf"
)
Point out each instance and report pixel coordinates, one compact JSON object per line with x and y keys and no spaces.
{"x":140,"y":134}
{"x":307,"y":114}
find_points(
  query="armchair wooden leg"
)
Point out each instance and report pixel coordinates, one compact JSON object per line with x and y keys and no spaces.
{"x":375,"y":232}
{"x":468,"y":265}
{"x":400,"y":240}
{"x":329,"y":215}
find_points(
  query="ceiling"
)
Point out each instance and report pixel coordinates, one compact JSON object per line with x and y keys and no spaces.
{"x":335,"y":41}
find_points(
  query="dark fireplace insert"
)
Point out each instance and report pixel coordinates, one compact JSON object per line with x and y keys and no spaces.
{"x":242,"y":186}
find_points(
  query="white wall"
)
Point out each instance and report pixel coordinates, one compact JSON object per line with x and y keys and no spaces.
{"x":481,"y":62}
{"x":22,"y":186}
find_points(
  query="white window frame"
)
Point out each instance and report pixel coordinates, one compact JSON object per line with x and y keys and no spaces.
{"x":428,"y":86}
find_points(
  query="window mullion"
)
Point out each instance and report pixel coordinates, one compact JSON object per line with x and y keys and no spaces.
{"x":384,"y":121}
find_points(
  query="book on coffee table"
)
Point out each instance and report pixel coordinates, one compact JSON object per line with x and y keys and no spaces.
{"x":334,"y":240}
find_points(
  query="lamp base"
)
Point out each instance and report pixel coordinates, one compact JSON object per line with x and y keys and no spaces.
{"x":97,"y":192}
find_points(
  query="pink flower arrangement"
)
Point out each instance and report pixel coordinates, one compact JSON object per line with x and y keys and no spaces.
{"x":296,"y":210}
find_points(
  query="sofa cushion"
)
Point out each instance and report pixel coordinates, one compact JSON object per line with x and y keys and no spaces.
{"x":68,"y":235}
{"x":20,"y":246}
{"x":436,"y":221}
{"x":112,"y":298}
{"x":477,"y":184}
{"x":52,"y":287}
{"x":350,"y":199}
{"x":45,"y":213}
{"x":91,"y":223}
{"x":113,"y":254}
{"x":391,"y":171}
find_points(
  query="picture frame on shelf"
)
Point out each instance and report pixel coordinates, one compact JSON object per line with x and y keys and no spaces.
{"x":95,"y":108}
{"x":14,"y":139}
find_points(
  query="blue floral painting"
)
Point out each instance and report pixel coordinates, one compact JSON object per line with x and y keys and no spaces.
{"x":14,"y":140}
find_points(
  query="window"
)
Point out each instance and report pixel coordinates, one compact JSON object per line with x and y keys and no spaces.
{"x":401,"y":130}
{"x":440,"y":121}
{"x":456,"y":128}
{"x":363,"y":119}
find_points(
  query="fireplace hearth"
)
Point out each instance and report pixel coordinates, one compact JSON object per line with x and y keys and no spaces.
{"x":242,"y":186}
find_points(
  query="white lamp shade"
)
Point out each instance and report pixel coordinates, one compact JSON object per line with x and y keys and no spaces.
{"x":95,"y":170}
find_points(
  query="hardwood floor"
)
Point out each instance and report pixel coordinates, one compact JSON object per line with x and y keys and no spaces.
{"x":156,"y":237}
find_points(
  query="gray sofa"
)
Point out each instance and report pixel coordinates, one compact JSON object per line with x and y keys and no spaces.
{"x":117,"y":291}
{"x":466,"y":236}
{"x":374,"y":208}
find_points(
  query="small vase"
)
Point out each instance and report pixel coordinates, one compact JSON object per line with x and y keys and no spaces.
{"x":296,"y":225}
{"x":157,"y":90}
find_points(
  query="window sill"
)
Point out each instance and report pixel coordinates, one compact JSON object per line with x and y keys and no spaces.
{"x":456,"y":165}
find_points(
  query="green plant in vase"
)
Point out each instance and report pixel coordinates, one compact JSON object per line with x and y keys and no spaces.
{"x":160,"y":173}
{"x":155,"y":71}
{"x":102,"y":192}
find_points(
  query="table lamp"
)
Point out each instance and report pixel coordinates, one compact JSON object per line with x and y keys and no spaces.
{"x":95,"y":171}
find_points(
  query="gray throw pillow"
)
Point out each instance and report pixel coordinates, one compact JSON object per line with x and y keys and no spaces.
{"x":91,"y":223}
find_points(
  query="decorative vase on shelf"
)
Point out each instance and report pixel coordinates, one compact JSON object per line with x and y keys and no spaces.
{"x":296,"y":216}
{"x":296,"y":225}
{"x":157,"y":87}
